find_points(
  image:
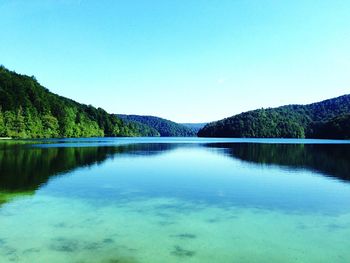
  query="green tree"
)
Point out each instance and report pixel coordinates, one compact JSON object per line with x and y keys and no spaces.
{"x":10,"y":122}
{"x":19,"y":125}
{"x":2,"y":124}
{"x":291,"y":121}
{"x":50,"y":125}
{"x":34,"y":127}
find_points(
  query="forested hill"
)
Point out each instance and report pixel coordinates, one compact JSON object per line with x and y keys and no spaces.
{"x":165,"y":127}
{"x":326,"y":119}
{"x":194,"y":126}
{"x":28,"y":110}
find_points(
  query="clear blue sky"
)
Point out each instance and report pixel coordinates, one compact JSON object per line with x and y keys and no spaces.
{"x":185,"y":60}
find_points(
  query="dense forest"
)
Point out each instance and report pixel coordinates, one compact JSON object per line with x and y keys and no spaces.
{"x":335,"y":128}
{"x":165,"y":127}
{"x":194,"y":126}
{"x":326,"y":119}
{"x":28,"y":110}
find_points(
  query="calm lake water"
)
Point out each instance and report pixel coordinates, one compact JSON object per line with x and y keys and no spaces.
{"x":175,"y":200}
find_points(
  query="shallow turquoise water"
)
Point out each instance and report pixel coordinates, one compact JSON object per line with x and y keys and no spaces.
{"x":175,"y":200}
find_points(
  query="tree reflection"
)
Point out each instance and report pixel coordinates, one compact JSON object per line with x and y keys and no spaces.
{"x":329,"y":159}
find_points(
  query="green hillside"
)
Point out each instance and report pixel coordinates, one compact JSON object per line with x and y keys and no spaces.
{"x":336,"y":128}
{"x":28,"y":110}
{"x":194,"y":126}
{"x":326,"y":119}
{"x":165,"y":127}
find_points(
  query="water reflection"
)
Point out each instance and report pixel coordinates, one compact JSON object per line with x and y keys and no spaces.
{"x":25,"y":168}
{"x":171,"y":202}
{"x":328,"y":159}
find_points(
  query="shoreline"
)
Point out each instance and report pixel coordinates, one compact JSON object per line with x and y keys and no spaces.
{"x":5,"y":138}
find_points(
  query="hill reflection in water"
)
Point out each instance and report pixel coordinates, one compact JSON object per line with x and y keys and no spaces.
{"x":328,"y":159}
{"x":25,"y":168}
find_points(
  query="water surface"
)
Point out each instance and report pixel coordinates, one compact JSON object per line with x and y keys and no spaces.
{"x":175,"y":200}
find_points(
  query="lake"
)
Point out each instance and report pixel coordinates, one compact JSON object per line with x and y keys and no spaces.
{"x":138,"y":200}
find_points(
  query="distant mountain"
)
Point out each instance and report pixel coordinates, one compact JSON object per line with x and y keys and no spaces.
{"x":165,"y":127}
{"x":28,"y":110}
{"x":326,"y":119}
{"x":194,"y":126}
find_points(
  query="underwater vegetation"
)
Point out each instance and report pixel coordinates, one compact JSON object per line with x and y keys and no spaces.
{"x":181,"y":252}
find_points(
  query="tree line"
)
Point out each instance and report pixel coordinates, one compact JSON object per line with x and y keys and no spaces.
{"x":326,"y":119}
{"x":28,"y":110}
{"x":165,"y":128}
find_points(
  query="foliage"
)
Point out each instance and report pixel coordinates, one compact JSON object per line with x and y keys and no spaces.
{"x":291,"y":121}
{"x":336,"y":128}
{"x":164,"y":127}
{"x":194,"y":126}
{"x":28,"y":110}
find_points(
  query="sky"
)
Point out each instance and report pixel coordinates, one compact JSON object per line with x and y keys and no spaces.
{"x":184,"y":60}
